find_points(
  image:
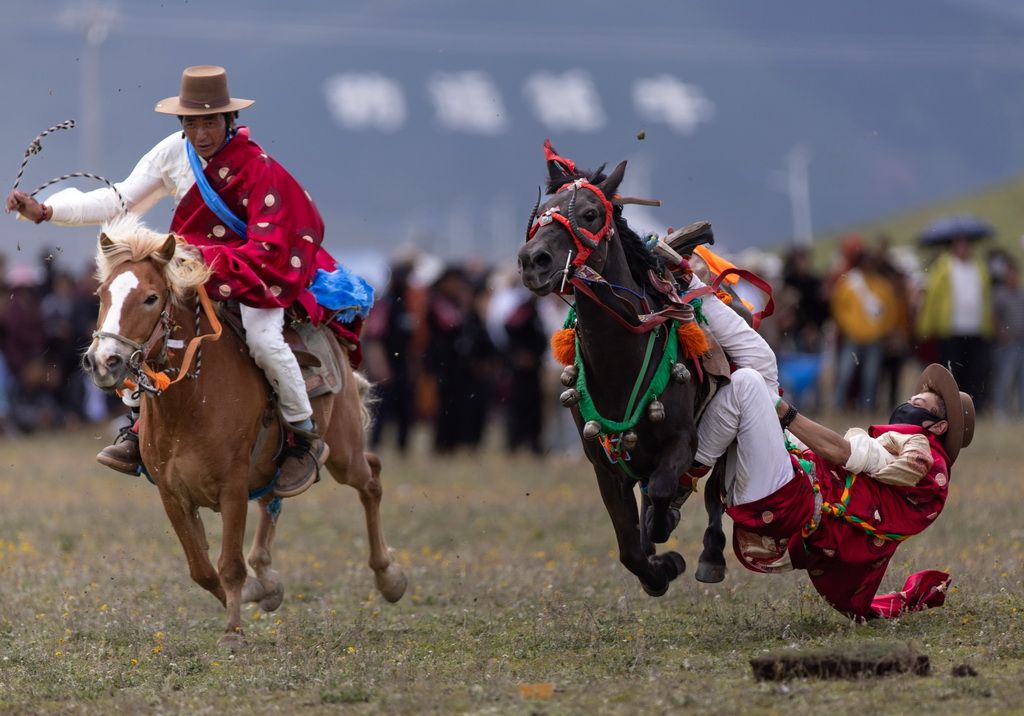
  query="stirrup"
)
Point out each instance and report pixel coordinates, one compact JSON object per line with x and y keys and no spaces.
{"x":305,"y":435}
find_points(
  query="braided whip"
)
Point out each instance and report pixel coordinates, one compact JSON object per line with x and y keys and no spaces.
{"x":36,"y":147}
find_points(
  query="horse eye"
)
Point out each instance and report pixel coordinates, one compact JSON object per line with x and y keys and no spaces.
{"x":151,"y":299}
{"x":590,"y":214}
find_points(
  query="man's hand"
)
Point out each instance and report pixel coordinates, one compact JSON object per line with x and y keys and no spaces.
{"x":28,"y":207}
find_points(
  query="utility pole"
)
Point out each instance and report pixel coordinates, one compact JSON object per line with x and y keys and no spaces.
{"x":798,"y":187}
{"x":93,"y":19}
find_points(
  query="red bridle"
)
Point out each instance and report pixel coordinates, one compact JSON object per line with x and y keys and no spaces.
{"x":586,"y":241}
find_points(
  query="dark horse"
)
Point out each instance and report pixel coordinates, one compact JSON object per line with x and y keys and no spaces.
{"x":573,"y":234}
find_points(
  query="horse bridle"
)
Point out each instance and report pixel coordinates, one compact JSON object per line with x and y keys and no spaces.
{"x":162,"y":329}
{"x":586,"y":241}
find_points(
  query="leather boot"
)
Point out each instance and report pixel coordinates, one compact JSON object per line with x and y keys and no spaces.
{"x":123,"y":455}
{"x":302,"y":463}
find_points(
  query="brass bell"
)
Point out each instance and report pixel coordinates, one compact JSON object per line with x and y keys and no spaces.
{"x":680,"y":373}
{"x":656,"y":411}
{"x":569,"y":397}
{"x":569,"y":374}
{"x":628,"y":440}
{"x":591,"y":430}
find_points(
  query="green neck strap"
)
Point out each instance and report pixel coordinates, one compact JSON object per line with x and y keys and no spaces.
{"x":635,"y":408}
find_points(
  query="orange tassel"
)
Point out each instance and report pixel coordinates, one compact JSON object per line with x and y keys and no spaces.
{"x":692,"y":341}
{"x":160,"y":380}
{"x":725,"y":297}
{"x":563,"y":346}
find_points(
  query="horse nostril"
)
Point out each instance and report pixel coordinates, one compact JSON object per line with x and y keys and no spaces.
{"x":87,"y":362}
{"x":542,"y":260}
{"x":114,"y":361}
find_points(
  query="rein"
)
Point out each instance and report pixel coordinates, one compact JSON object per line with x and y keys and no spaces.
{"x":679,"y":308}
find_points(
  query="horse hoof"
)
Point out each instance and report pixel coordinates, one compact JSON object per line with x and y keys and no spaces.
{"x":252,"y":590}
{"x":678,"y":565}
{"x":709,"y":573}
{"x":391,"y":582}
{"x":232,"y":640}
{"x":273,"y":599}
{"x":678,"y":562}
{"x":655,"y":592}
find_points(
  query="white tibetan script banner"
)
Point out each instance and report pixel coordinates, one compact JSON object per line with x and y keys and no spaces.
{"x":471,"y":101}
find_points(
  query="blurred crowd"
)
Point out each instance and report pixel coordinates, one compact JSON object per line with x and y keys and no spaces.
{"x":47,"y":316}
{"x":463,"y":348}
{"x":848,"y":337}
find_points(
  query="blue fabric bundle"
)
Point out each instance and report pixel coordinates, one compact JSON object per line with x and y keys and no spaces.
{"x":341,"y":290}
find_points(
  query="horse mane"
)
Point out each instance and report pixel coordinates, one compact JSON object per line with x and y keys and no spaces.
{"x":131,"y":241}
{"x":638,"y":258}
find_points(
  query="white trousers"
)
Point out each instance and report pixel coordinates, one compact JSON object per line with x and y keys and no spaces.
{"x":264,"y":335}
{"x":744,"y":346}
{"x":744,"y":411}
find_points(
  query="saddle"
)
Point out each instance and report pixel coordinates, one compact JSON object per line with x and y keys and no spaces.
{"x":717,"y":370}
{"x":311,"y":345}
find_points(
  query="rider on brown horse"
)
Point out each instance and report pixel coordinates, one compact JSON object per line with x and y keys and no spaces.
{"x":265,"y":262}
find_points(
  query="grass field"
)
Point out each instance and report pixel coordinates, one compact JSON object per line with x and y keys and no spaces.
{"x":517,"y":602}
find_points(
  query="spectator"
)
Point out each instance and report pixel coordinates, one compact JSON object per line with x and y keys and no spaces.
{"x":526,"y":347}
{"x":898,"y":341}
{"x":803,"y":293}
{"x":862,"y":300}
{"x":957,"y":312}
{"x":1008,"y":311}
{"x":449,"y":313}
{"x":392,"y":359}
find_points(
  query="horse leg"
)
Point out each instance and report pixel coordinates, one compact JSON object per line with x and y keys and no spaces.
{"x":711,"y":564}
{"x":661,"y":518}
{"x":189,"y":527}
{"x":264,"y":585}
{"x":234,"y":505}
{"x":645,"y":531}
{"x":656,"y":572}
{"x":362,"y":473}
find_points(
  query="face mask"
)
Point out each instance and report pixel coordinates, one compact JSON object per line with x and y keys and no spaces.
{"x":907,"y":414}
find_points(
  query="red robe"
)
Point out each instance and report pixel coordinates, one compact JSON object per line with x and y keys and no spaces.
{"x":845,"y":563}
{"x":274,"y":267}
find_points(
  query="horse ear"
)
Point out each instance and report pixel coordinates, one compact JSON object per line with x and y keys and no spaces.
{"x":560,"y":169}
{"x":106,"y":243}
{"x":611,"y":184}
{"x":166,"y":251}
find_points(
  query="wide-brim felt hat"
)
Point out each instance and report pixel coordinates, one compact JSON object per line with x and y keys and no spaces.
{"x":204,"y":90}
{"x":959,"y":408}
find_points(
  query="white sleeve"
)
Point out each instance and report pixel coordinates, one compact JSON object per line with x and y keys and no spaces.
{"x":742,"y":344}
{"x":867,"y":455}
{"x":143,"y":188}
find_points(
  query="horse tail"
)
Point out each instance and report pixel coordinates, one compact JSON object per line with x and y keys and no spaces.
{"x":366,"y":398}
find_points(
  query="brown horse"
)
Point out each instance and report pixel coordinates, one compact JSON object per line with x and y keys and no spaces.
{"x":200,"y":439}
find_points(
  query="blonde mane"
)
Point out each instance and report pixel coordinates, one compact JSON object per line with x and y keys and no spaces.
{"x":132,"y":240}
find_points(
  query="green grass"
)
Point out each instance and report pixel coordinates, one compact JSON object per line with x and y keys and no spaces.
{"x":513,"y":580}
{"x":1002,"y":205}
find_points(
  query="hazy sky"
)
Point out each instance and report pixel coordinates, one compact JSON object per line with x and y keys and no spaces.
{"x":422,"y":122}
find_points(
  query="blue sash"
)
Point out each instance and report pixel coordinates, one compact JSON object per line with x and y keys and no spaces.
{"x":210,"y":195}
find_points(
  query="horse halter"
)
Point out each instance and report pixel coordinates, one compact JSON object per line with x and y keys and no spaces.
{"x":585,"y":240}
{"x":162,"y":329}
